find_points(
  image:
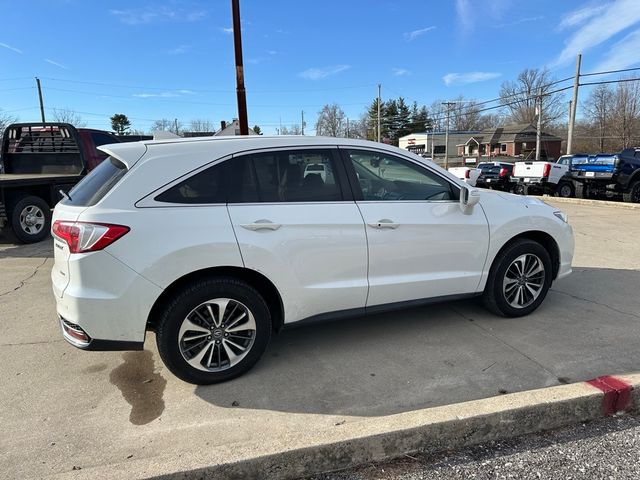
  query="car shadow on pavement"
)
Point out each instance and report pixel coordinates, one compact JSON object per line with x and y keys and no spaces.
{"x":446,"y":353}
{"x":11,"y":248}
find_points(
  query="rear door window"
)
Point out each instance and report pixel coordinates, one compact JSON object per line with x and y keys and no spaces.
{"x":285,"y":176}
{"x":97,"y":184}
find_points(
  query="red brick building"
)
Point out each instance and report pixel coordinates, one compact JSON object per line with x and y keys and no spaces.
{"x":510,"y":141}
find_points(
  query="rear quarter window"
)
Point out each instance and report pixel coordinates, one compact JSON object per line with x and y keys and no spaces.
{"x":97,"y":184}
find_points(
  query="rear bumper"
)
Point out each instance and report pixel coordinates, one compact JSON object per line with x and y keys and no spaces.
{"x":106,"y":300}
{"x":70,"y":334}
{"x":598,"y":177}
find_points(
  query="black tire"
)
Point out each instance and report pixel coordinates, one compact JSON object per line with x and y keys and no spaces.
{"x":518,"y":189}
{"x":632,"y":194}
{"x":185,"y":301}
{"x":582,"y":190}
{"x":565,"y":190}
{"x":20,"y":219}
{"x":494,"y":297}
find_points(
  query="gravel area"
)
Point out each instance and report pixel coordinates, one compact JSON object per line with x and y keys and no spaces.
{"x":604,"y":449}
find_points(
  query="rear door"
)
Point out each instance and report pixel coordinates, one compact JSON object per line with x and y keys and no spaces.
{"x":421,"y":243}
{"x":301,"y":228}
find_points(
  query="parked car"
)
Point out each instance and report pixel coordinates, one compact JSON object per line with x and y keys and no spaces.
{"x":316,"y":169}
{"x":609,"y":174}
{"x":495,"y":175}
{"x":466,"y":174}
{"x":544,"y":177}
{"x":40,"y":160}
{"x":215,"y":244}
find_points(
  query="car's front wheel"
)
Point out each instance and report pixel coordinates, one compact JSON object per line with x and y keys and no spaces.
{"x":519,"y":279}
{"x":213,"y":330}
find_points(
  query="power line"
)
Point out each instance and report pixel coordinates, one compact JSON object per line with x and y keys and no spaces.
{"x":609,"y":72}
{"x":620,"y":80}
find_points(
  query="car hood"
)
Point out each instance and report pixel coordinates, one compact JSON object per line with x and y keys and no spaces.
{"x":493,"y":195}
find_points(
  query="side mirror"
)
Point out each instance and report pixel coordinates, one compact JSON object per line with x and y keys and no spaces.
{"x":468,"y":197}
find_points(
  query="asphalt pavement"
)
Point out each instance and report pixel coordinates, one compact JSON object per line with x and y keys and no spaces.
{"x":62,"y":409}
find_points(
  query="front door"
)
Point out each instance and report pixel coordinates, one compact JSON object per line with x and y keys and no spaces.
{"x":421,"y":243}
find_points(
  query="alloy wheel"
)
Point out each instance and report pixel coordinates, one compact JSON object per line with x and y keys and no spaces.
{"x":217,"y":335}
{"x":523,"y":281}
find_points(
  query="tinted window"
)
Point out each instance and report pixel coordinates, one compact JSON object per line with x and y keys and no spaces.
{"x":207,"y":186}
{"x":384,"y":177}
{"x":97,"y":184}
{"x":285,"y":176}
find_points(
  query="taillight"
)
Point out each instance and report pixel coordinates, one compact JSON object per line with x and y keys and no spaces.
{"x":547,"y":170}
{"x":467,"y":173}
{"x":503,"y":172}
{"x":84,"y":237}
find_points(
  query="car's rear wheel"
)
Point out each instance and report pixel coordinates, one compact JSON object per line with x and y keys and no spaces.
{"x":632,"y":195}
{"x":519,"y":279}
{"x":565,"y":190}
{"x":213,"y":330}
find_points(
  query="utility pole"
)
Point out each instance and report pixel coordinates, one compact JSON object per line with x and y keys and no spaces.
{"x":574,"y":104}
{"x":539,"y":126}
{"x":347,"y":127}
{"x":379,"y":88}
{"x":40,"y":96}
{"x":446,"y":135}
{"x":241,"y":94}
{"x":175,"y":126}
{"x":302,"y":122}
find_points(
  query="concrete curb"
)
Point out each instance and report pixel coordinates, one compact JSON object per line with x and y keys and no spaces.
{"x":362,"y":440}
{"x":585,"y":201}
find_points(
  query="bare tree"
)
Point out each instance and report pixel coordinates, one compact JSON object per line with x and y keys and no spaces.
{"x":166,"y":125}
{"x":519,"y":98}
{"x":464,"y":115}
{"x":626,"y":113}
{"x":201,"y":125}
{"x":66,"y":115}
{"x":292,"y":130}
{"x":5,"y":121}
{"x":598,"y":110}
{"x":331,"y":121}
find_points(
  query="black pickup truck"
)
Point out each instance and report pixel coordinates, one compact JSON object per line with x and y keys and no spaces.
{"x":39,"y":160}
{"x":602,"y":174}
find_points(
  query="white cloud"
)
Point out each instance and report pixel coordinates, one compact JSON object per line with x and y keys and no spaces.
{"x":520,"y":21}
{"x":623,"y":54}
{"x":324,"y":72}
{"x":13,"y":49}
{"x":228,"y":30}
{"x":465,"y":15}
{"x":142,"y":16}
{"x":410,"y":36}
{"x":581,"y":15}
{"x":470,"y":77}
{"x":614,"y":18}
{"x":400,"y":72}
{"x":59,"y":65}
{"x":179,"y":50}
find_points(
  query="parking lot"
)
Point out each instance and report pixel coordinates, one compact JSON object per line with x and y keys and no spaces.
{"x":68,"y":412}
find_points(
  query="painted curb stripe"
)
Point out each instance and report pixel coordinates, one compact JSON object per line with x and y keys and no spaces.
{"x":617,"y":393}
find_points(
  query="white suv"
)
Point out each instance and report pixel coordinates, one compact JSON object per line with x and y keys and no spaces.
{"x":216,"y":243}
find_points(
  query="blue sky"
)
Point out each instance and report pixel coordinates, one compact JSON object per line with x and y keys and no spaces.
{"x":174,"y":59}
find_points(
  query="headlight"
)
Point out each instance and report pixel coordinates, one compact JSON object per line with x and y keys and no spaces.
{"x":562,"y":216}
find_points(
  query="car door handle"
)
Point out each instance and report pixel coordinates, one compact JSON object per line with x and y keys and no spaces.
{"x":261,"y":225}
{"x":384,"y":223}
